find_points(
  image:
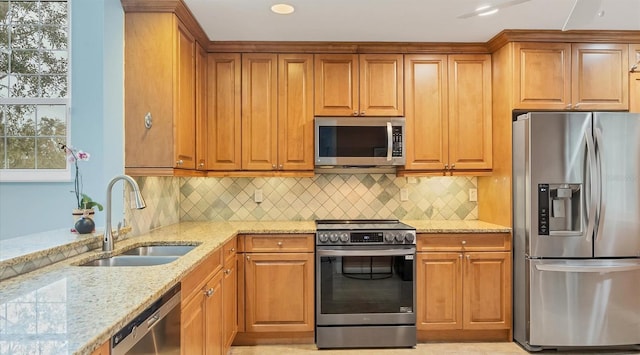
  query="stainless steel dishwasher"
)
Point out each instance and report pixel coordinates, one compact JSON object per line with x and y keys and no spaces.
{"x":154,"y":331}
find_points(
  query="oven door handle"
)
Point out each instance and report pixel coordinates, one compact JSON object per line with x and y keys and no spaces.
{"x":375,"y":252}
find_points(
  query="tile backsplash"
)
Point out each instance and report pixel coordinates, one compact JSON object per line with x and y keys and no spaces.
{"x":324,"y":196}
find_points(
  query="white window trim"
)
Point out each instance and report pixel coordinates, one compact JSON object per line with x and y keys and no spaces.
{"x":46,"y":175}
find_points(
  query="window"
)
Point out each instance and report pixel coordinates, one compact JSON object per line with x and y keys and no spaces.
{"x":34,"y":89}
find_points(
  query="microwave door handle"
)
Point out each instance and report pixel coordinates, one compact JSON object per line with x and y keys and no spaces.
{"x":389,"y":141}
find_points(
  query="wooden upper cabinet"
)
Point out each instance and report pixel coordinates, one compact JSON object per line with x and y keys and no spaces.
{"x":542,"y":75}
{"x":634,"y":92}
{"x":336,"y":84}
{"x":600,"y":76}
{"x":259,"y":111}
{"x":359,"y":85}
{"x":426,"y":111}
{"x":277,"y":112}
{"x":634,"y":57}
{"x":295,"y":112}
{"x":185,"y":126}
{"x":201,"y":107}
{"x":160,"y":109}
{"x":381,"y":85}
{"x":224,"y":131}
{"x":565,"y":76}
{"x":470,"y":136}
{"x":448,"y":112}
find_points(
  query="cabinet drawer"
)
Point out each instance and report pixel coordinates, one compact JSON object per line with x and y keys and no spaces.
{"x":463,"y":242}
{"x":230,"y":249}
{"x":290,"y":243}
{"x":196,"y":279}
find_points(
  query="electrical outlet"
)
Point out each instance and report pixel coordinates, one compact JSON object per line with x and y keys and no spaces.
{"x":404,"y":194}
{"x":257,"y":196}
{"x":473,"y":195}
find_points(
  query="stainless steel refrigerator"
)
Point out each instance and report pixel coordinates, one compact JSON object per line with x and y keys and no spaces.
{"x":576,"y":229}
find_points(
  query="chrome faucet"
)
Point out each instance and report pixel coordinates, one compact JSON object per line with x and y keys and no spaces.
{"x":107,"y":242}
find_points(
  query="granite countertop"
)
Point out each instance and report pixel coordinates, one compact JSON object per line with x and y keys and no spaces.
{"x":66,"y":309}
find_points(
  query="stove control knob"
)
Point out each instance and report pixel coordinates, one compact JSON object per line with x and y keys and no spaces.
{"x":323,"y":237}
{"x":333,"y":237}
{"x":409,"y":237}
{"x":388,"y":237}
{"x":399,"y":237}
{"x":344,"y":237}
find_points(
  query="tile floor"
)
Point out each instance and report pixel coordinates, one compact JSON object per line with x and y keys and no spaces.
{"x":422,"y":349}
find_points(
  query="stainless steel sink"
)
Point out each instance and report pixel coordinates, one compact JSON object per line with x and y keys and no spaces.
{"x":131,"y":260}
{"x":160,"y":250}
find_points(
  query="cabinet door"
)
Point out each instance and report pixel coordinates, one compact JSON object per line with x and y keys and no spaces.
{"x":259,"y":111}
{"x":487,"y":290}
{"x":201,"y":107}
{"x":336,"y":85}
{"x":214,"y":343}
{"x":104,"y":349}
{"x":634,"y":57}
{"x":470,"y":135}
{"x":149,"y":48}
{"x":634,"y":92}
{"x":295,"y":112}
{"x":542,"y":75}
{"x":185,"y":117}
{"x":426,"y":87}
{"x":279,"y":292}
{"x":230,"y":303}
{"x":192,"y":334}
{"x":439,"y":291}
{"x":600,"y":76}
{"x":381,"y":85}
{"x":224,"y":114}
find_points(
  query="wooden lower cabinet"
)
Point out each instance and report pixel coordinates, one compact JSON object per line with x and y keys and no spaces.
{"x":279,"y":292}
{"x":201,"y":308}
{"x":463,"y":294}
{"x":275,"y":289}
{"x":104,"y":349}
{"x":230,"y":295}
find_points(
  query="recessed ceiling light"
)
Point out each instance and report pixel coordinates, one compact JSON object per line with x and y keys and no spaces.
{"x":282,"y":9}
{"x":487,"y":13}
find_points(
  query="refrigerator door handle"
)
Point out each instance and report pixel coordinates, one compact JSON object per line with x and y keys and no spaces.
{"x":602,"y":207}
{"x":591,"y":154}
{"x":578,"y":268}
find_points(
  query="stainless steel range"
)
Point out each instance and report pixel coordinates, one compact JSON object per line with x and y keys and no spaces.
{"x":365,"y":291}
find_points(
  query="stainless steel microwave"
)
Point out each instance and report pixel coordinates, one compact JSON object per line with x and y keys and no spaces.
{"x":359,"y":141}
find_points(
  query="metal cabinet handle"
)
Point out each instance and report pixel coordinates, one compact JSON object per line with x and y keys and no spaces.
{"x":232,"y":250}
{"x":148,"y":120}
{"x":460,"y":256}
{"x":568,"y":107}
{"x":273,"y":166}
{"x":202,"y":164}
{"x":180,"y":162}
{"x":227,"y":271}
{"x":209,"y":292}
{"x":468,"y":257}
{"x":280,"y":243}
{"x":280,"y":166}
{"x":248,"y":257}
{"x":446,"y":166}
{"x":453,"y":166}
{"x":355,"y":113}
{"x":361,"y":113}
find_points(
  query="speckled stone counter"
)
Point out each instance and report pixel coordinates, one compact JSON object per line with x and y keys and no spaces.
{"x":67,"y":309}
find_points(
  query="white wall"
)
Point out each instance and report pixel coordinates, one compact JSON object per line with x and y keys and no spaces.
{"x":96,"y":126}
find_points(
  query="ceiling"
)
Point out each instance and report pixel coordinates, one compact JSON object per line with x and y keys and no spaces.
{"x":401,"y":20}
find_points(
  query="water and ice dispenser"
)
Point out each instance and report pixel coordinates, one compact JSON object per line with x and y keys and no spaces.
{"x":559,"y":209}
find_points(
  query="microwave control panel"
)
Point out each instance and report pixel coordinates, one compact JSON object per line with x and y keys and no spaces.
{"x":397,"y":142}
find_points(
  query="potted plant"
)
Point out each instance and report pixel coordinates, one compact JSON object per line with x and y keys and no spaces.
{"x":84,"y":204}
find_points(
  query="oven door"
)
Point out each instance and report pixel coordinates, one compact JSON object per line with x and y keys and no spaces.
{"x":365,"y":285}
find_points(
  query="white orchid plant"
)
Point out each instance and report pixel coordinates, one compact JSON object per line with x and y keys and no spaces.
{"x":73,"y":156}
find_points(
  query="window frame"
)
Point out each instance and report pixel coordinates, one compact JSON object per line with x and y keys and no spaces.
{"x":45,"y":175}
